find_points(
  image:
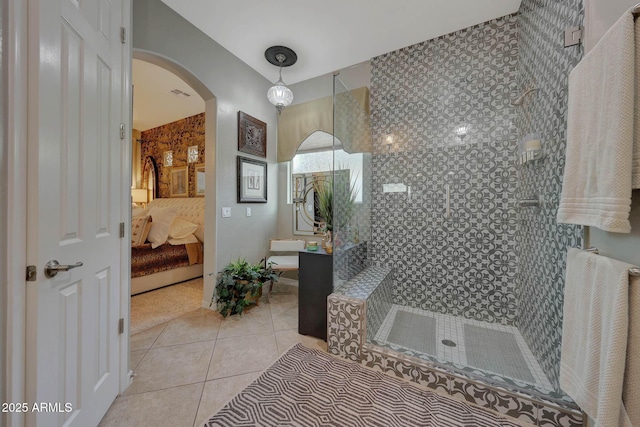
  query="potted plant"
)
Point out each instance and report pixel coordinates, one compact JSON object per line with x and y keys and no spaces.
{"x":336,"y":192}
{"x":239,"y":285}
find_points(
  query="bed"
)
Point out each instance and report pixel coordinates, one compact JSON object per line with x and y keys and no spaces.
{"x":167,"y":264}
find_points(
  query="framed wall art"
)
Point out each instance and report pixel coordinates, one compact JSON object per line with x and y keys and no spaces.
{"x":252,"y":180}
{"x":179,"y":182}
{"x":252,"y":135}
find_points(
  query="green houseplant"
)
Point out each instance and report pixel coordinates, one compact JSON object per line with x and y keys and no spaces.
{"x":336,"y":191}
{"x":239,"y":284}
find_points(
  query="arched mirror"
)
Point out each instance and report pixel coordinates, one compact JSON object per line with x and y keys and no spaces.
{"x":150,"y":178}
{"x":321,"y":163}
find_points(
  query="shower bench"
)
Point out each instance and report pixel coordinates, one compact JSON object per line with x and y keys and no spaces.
{"x":346,"y":310}
{"x":359,"y":306}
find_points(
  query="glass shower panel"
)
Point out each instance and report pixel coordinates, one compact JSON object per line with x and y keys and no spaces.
{"x":351,"y":181}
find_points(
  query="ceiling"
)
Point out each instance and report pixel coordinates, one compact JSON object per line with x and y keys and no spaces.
{"x":153,"y":103}
{"x":330,"y":35}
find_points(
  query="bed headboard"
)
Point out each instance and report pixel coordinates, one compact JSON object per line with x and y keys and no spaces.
{"x":190,"y":209}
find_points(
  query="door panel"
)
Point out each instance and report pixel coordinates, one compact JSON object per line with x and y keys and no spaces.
{"x":70,"y":150}
{"x":69,"y":336}
{"x":74,"y":205}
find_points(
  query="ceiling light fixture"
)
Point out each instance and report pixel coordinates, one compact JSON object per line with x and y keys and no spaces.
{"x":279,"y":94}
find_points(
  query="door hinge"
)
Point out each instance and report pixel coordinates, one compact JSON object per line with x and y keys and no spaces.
{"x":122,"y":131}
{"x":121,"y":326}
{"x":32,"y":273}
{"x":122,"y":230}
{"x":123,"y":35}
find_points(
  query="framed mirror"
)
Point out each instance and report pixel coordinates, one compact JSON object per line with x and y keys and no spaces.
{"x":150,"y":177}
{"x":306,"y":218}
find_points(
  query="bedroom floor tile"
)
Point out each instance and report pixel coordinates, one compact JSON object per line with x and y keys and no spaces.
{"x":240,"y":355}
{"x":217,"y":393}
{"x":173,"y":366}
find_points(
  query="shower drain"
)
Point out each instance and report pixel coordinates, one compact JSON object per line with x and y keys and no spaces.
{"x":448,"y":343}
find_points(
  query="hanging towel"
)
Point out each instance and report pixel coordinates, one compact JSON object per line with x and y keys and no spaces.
{"x":596,"y":190}
{"x":631,"y":392}
{"x":594,"y":336}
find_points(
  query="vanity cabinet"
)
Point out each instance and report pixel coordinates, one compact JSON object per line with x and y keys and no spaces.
{"x":315,"y":277}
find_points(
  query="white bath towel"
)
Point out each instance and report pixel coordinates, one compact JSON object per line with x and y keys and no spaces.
{"x":594,"y":336}
{"x":596,"y":190}
{"x":631,"y":393}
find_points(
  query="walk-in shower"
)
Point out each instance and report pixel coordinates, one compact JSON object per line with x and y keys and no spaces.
{"x":439,"y":223}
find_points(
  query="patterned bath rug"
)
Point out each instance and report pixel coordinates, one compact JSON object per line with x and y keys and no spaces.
{"x":311,"y":388}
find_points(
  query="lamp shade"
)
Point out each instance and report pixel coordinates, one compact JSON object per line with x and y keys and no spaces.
{"x":139,"y":195}
{"x":280,"y":95}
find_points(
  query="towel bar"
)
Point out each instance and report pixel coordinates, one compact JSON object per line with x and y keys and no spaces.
{"x":633,"y":271}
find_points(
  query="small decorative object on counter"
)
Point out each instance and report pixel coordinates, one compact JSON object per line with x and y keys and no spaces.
{"x":328,"y":247}
{"x":312,"y":246}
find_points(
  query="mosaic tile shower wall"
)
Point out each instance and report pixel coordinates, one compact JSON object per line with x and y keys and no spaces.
{"x":177,"y":137}
{"x":463,"y":263}
{"x":545,"y":63}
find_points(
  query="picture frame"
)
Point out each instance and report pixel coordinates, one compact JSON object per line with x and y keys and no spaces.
{"x":252,"y":180}
{"x":252,"y":135}
{"x":179,"y":182}
{"x":200,"y":179}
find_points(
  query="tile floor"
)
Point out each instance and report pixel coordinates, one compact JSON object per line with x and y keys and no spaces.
{"x":453,"y":328}
{"x":189,"y":367}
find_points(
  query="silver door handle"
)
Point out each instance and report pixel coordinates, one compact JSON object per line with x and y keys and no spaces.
{"x":52,"y":267}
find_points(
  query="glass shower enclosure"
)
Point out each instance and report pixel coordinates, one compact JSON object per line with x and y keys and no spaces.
{"x":443,"y":218}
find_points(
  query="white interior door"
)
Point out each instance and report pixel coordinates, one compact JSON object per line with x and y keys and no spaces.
{"x":74,"y":175}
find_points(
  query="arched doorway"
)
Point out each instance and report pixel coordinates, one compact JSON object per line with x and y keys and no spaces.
{"x":210,"y":144}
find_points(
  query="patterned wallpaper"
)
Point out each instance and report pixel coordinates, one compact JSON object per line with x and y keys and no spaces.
{"x":545,"y":63}
{"x":176,"y":137}
{"x":464,"y":264}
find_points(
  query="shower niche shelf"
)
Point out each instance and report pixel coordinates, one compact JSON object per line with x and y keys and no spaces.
{"x":530,"y":156}
{"x":530,"y":148}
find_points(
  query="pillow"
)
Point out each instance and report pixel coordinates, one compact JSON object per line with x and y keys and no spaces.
{"x":180,"y":229}
{"x":199,"y":233}
{"x":140,"y":227}
{"x":161,"y":222}
{"x":138,"y":212}
{"x":185,"y":240}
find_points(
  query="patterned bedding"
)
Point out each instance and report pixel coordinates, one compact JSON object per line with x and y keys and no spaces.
{"x":146,"y":261}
